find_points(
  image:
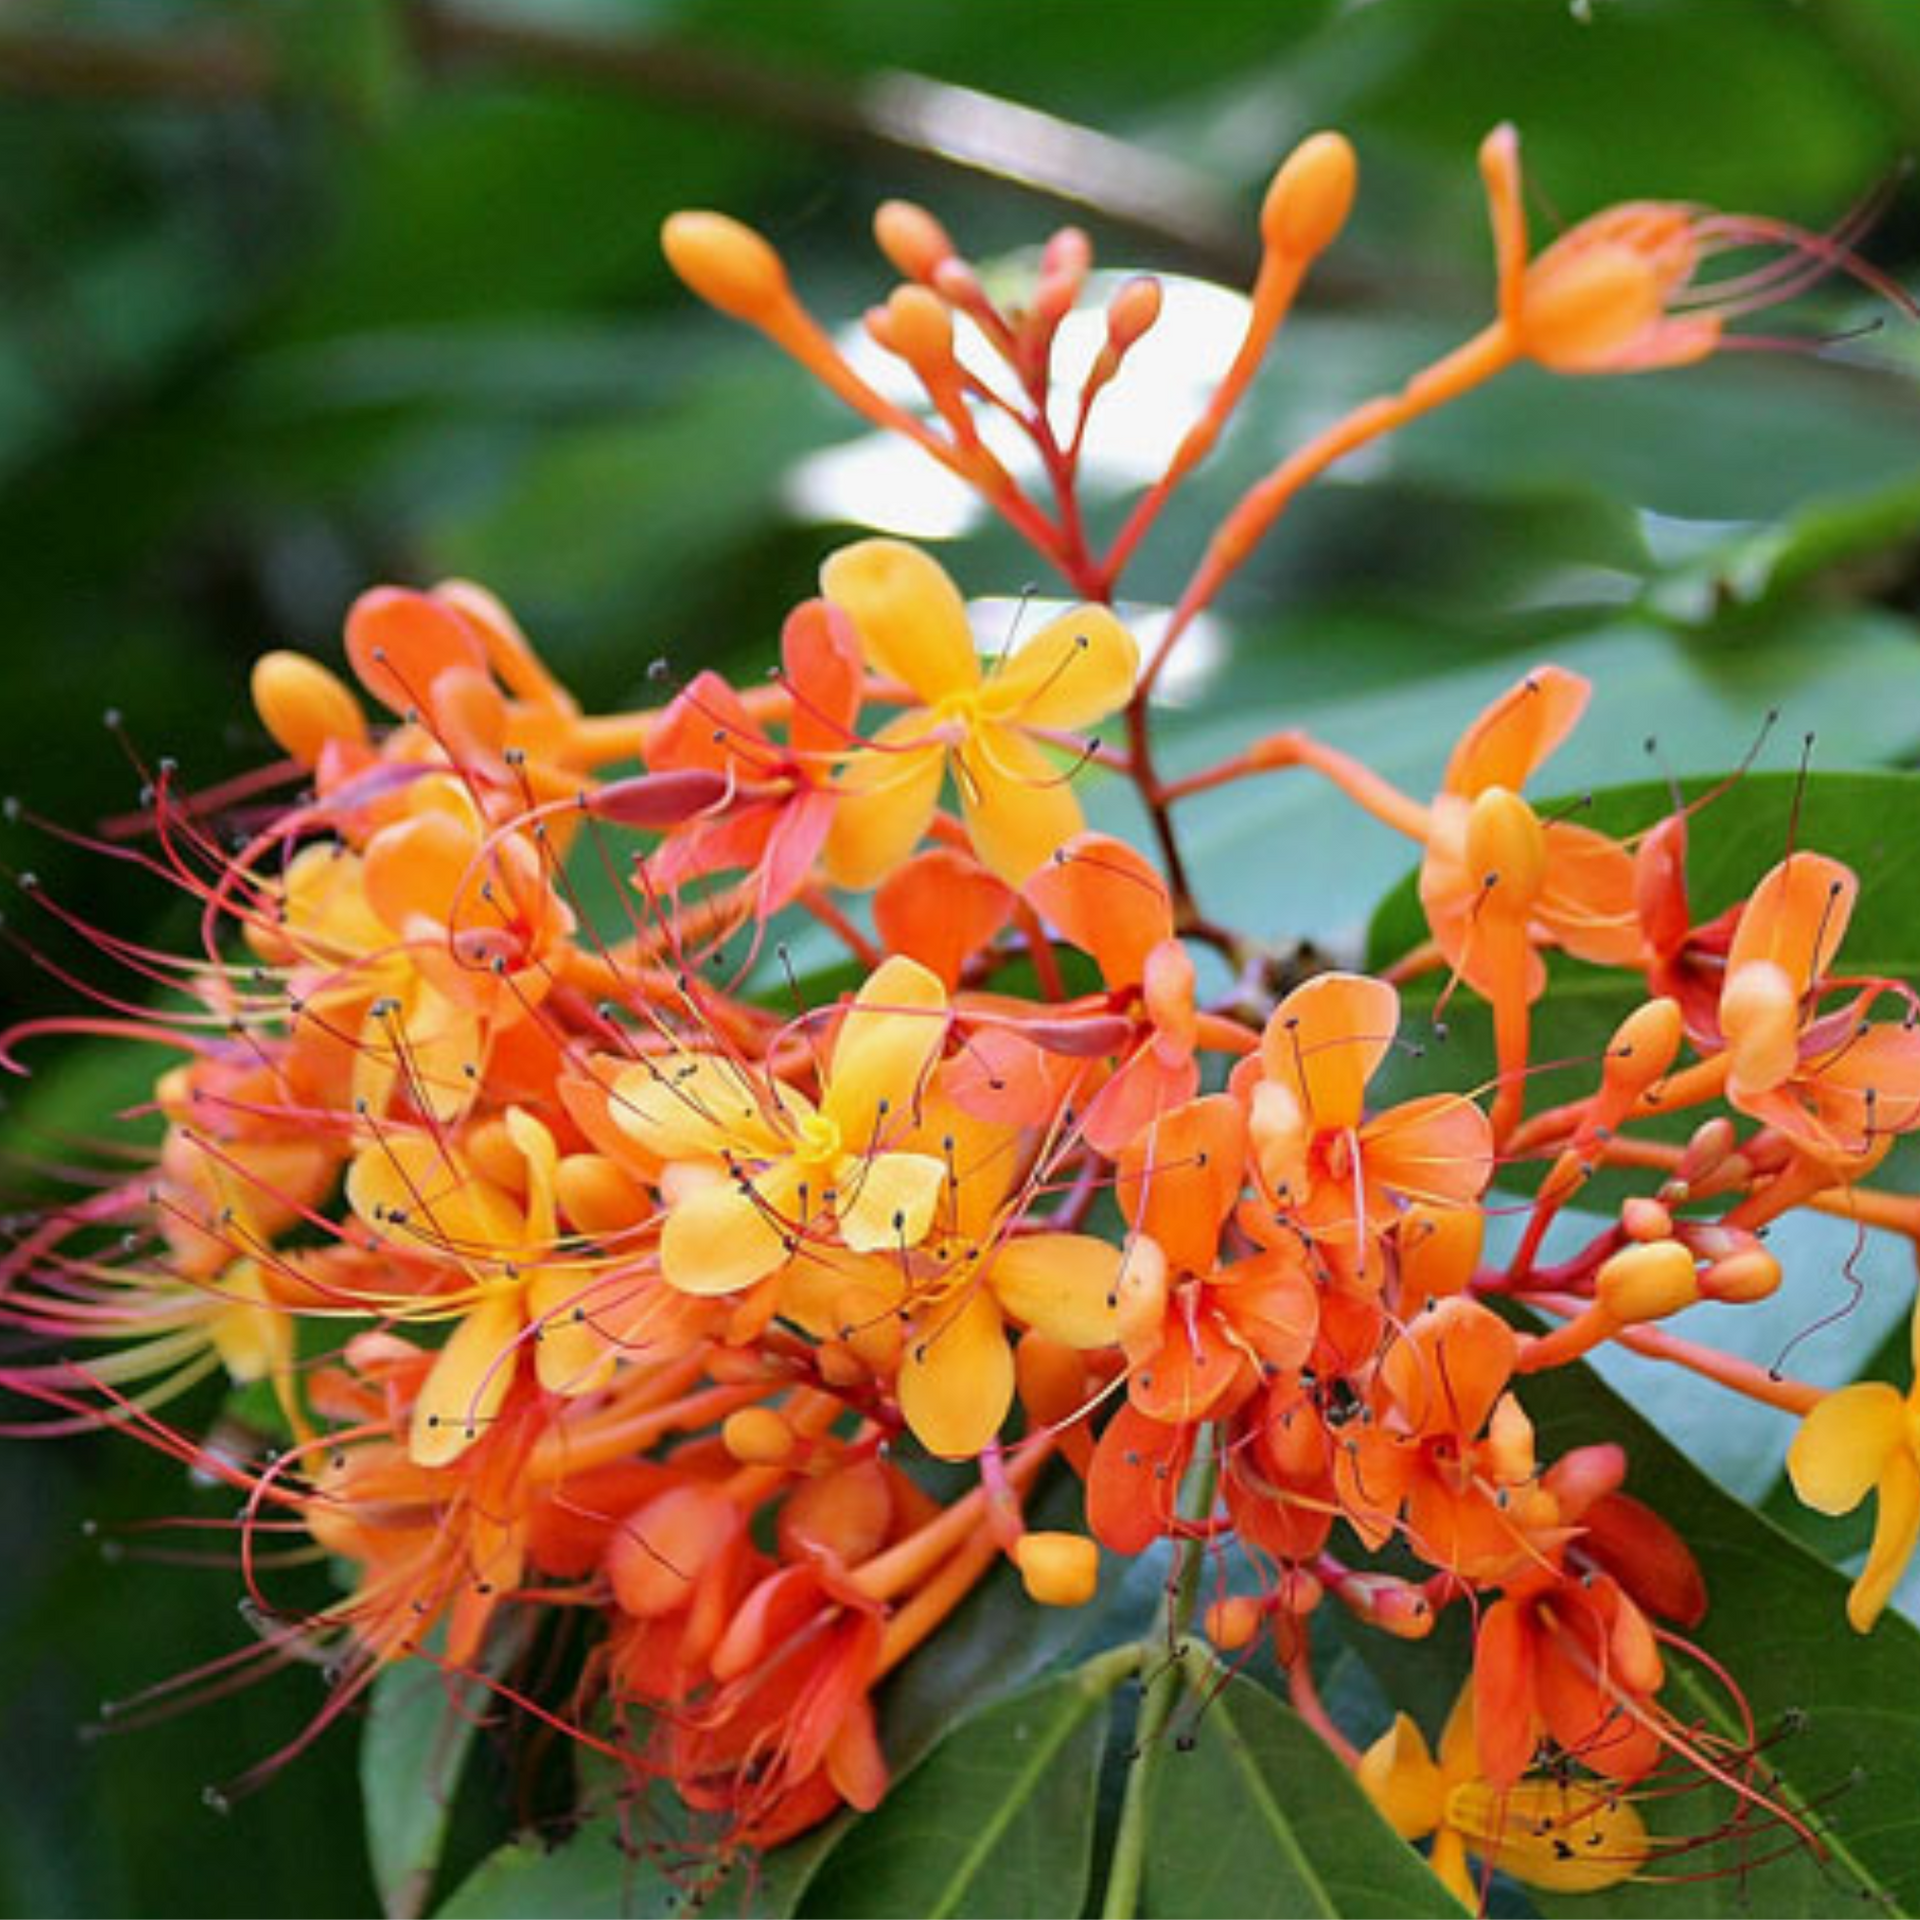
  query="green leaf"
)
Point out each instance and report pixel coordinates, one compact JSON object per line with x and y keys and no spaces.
{"x":1840,"y":1713}
{"x":1256,"y":1816}
{"x":998,"y":1819}
{"x":419,"y":1730}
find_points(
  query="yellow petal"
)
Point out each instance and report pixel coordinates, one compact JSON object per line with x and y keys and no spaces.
{"x":422,"y":1046}
{"x":720,"y":1240}
{"x":1401,"y":1779}
{"x":683,"y":1106}
{"x":1896,"y":1528}
{"x":469,"y":1380}
{"x":410,"y":1190}
{"x":888,"y":1200}
{"x":1844,"y":1445}
{"x":887,"y":1041}
{"x":1061,"y":1284}
{"x":888,"y":794}
{"x":956,"y":1380}
{"x":1019,"y":803}
{"x":912,"y":620}
{"x":537,"y":1148}
{"x":571,"y":1355}
{"x":254,"y":1340}
{"x":1566,"y":1837}
{"x":1074,"y":671}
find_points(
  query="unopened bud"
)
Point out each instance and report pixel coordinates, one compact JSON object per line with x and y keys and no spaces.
{"x":1384,"y":1600}
{"x":1712,"y":1141}
{"x":1643,"y":1219}
{"x":919,"y":329}
{"x":1232,"y":1623}
{"x":304,"y":706}
{"x":1506,"y":849}
{"x":1751,"y":1274}
{"x":844,"y":1515}
{"x":757,"y":1437}
{"x":911,"y":238}
{"x":1647,"y":1282}
{"x":1311,"y":195}
{"x":1132,"y":311}
{"x":1058,"y":1569}
{"x":726,"y":263}
{"x":1643,"y":1047}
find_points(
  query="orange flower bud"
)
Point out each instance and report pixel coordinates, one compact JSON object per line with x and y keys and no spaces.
{"x":911,"y":238}
{"x":1751,"y":1274}
{"x":1058,"y":1569}
{"x":304,"y":706}
{"x":1647,"y":1282}
{"x":920,"y":330}
{"x":757,"y":1437}
{"x":1132,"y":311}
{"x":1231,"y":1623}
{"x":726,"y":263}
{"x":1642,"y":1049}
{"x":1645,"y":1220}
{"x":1311,"y":195}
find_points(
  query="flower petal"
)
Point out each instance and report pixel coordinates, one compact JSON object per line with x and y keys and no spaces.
{"x":956,"y":1380}
{"x":1896,"y":1528}
{"x":885,"y":1046}
{"x":469,"y":1380}
{"x":1019,"y":804}
{"x":719,"y":1239}
{"x":888,"y":1201}
{"x":1062,"y":1285}
{"x":1796,"y":917}
{"x":1511,"y":738}
{"x":1075,"y":670}
{"x":1845,"y":1444}
{"x":912,"y":620}
{"x":1325,"y":1041}
{"x":887,"y":796}
{"x":684,"y":1106}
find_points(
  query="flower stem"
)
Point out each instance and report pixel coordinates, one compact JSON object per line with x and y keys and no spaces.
{"x":1127,"y":1871}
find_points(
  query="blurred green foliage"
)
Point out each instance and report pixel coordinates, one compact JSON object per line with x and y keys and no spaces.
{"x":305,"y":294}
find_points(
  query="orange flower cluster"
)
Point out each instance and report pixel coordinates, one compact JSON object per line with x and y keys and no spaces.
{"x":589,"y":1272}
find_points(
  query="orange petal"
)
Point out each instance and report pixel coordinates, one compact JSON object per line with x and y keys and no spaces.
{"x":469,"y":1381}
{"x":1180,"y":1179}
{"x":1438,"y":1149}
{"x":1060,"y":1284}
{"x":888,"y":793}
{"x":1796,"y":917}
{"x":941,"y":908}
{"x":1449,"y":1370}
{"x":401,"y":642}
{"x":1325,"y":1041}
{"x":1018,"y":802}
{"x":1511,"y":738}
{"x":1108,"y":900}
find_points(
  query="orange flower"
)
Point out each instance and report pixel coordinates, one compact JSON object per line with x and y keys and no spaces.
{"x":988,"y":727}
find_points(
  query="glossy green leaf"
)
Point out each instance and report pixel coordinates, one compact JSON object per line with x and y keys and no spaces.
{"x":420,"y":1727}
{"x":998,"y":1819}
{"x":1252,"y":1814}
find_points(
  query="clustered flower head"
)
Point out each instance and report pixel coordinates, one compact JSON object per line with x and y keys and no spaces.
{"x":592,"y":1266}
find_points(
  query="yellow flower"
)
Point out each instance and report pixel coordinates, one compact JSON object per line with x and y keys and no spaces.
{"x":757,"y":1162}
{"x":1866,"y":1438}
{"x":1015,"y":796}
{"x":1568,"y":1836}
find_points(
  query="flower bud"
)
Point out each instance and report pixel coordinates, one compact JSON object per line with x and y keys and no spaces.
{"x":304,"y":706}
{"x":1311,"y":195}
{"x":1132,"y":311}
{"x":911,"y":238}
{"x":1647,"y":1282}
{"x":1645,"y":1220}
{"x":920,"y":330}
{"x":1643,"y":1047}
{"x":1232,"y":1623}
{"x":1751,"y":1274}
{"x":726,"y":263}
{"x":844,"y":1515}
{"x":757,"y":1437}
{"x":1058,"y":1569}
